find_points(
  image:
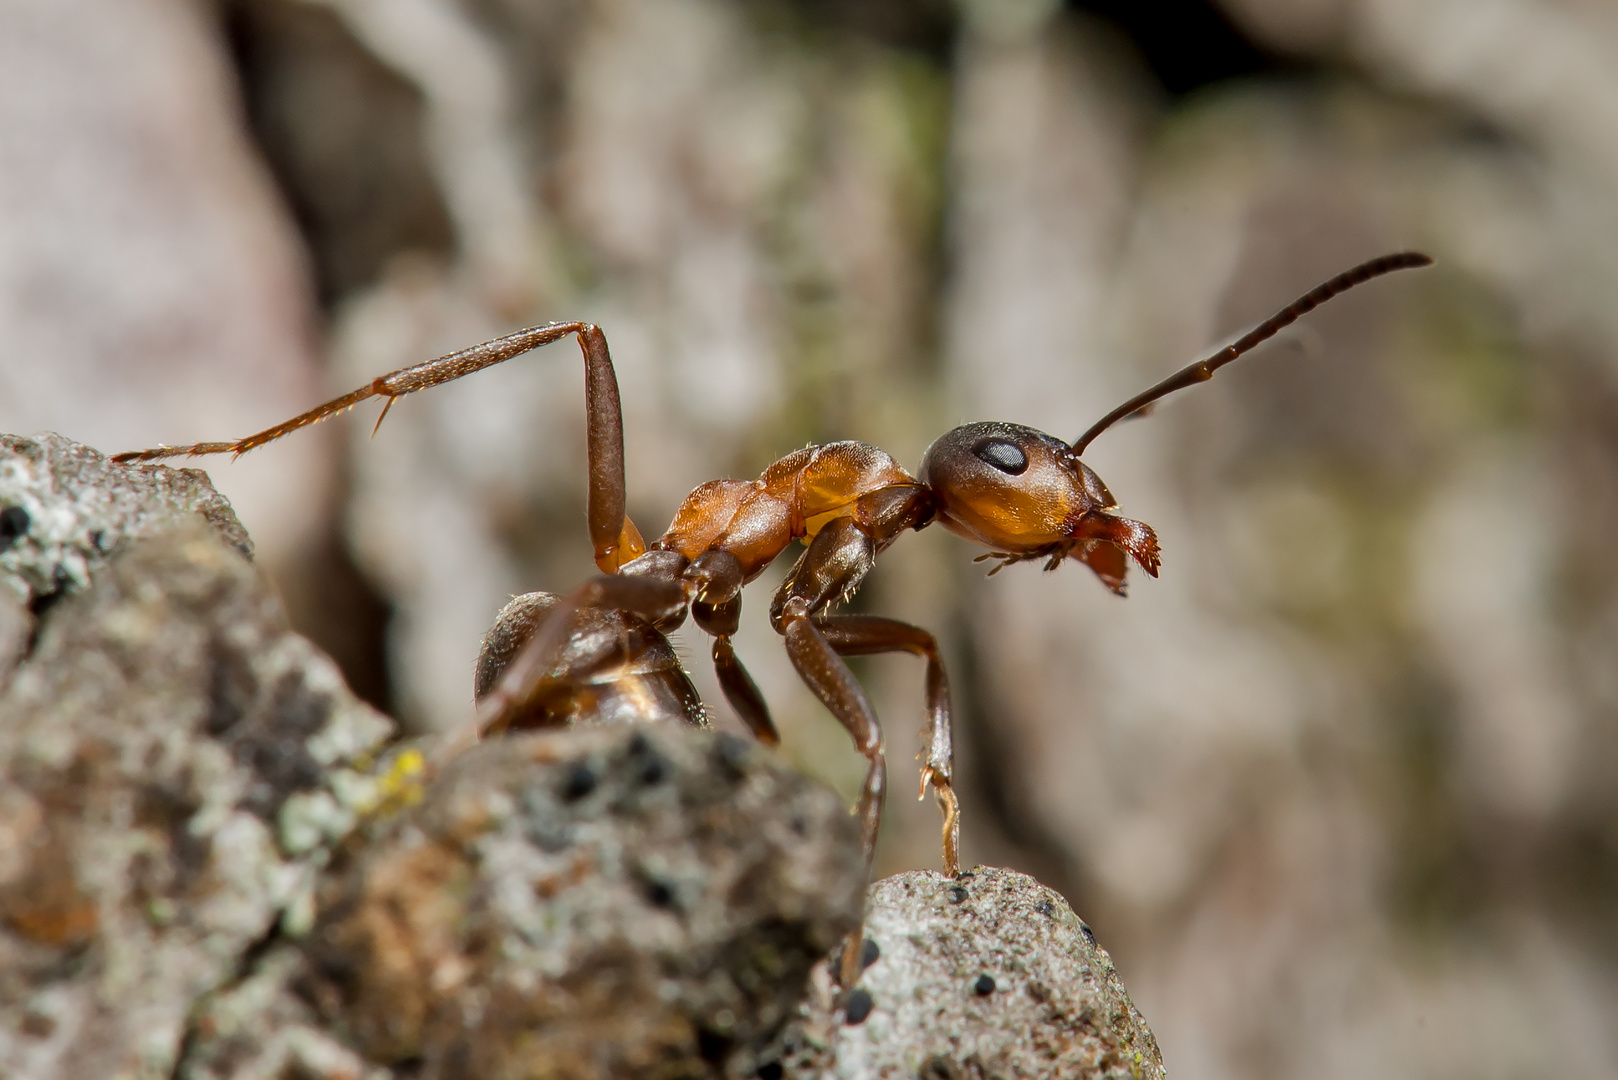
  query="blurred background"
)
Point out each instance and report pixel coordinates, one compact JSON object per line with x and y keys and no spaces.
{"x":1339,"y":791}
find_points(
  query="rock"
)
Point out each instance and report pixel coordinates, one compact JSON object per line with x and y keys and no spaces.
{"x":65,"y":510}
{"x":177,"y":764}
{"x":987,"y":975}
{"x":15,"y":626}
{"x":593,"y":903}
{"x":262,"y":1027}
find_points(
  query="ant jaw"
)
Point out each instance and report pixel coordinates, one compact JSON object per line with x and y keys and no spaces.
{"x":1103,"y":540}
{"x":1109,"y":563}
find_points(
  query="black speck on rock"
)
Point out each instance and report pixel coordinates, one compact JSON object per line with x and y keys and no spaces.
{"x":859,"y":1007}
{"x":14,"y":522}
{"x":712,"y":1047}
{"x":939,"y":1067}
{"x":659,"y":894}
{"x":984,"y":986}
{"x":581,"y":779}
{"x":653,"y":770}
{"x":732,"y":753}
{"x":870,"y":953}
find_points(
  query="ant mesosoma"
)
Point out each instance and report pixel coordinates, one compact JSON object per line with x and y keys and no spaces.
{"x":599,"y":653}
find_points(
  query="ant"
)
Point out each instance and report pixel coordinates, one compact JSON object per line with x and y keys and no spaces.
{"x":599,"y":652}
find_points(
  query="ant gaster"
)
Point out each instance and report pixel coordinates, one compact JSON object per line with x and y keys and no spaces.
{"x":599,"y":653}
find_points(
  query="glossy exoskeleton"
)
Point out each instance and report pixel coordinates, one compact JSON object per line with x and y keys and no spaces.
{"x":599,"y":653}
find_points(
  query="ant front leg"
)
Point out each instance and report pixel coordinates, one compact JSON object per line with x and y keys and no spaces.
{"x":838,"y":559}
{"x":866,"y":635}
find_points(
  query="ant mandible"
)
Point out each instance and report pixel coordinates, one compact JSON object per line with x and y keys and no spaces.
{"x":1019,"y":492}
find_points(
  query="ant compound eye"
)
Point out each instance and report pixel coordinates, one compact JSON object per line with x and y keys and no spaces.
{"x":1005,"y":456}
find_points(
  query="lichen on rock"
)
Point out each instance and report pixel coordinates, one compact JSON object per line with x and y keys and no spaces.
{"x":65,"y":509}
{"x":149,"y":741}
{"x":592,"y":903}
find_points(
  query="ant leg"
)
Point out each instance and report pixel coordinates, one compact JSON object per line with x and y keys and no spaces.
{"x":717,"y":610}
{"x":743,"y":693}
{"x":614,"y":536}
{"x":395,"y":384}
{"x":653,"y":599}
{"x":863,"y":635}
{"x":838,"y":559}
{"x":825,"y":673}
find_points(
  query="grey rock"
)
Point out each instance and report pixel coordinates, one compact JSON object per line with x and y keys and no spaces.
{"x":590,"y":903}
{"x":987,"y":975}
{"x":262,"y":1027}
{"x":177,"y":764}
{"x":65,"y":509}
{"x":15,"y":625}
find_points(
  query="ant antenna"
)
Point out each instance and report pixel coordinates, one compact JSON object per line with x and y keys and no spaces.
{"x":1203,"y":370}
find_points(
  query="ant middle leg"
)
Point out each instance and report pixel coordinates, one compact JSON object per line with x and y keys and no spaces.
{"x":838,"y":559}
{"x":717,"y":610}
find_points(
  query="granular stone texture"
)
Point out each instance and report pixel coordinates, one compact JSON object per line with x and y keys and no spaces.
{"x":65,"y":510}
{"x":594,"y":903}
{"x":989,"y":975}
{"x":260,"y":1028}
{"x":177,"y":764}
{"x":15,"y":626}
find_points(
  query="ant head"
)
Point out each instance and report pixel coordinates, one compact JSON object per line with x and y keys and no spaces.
{"x":1025,"y":495}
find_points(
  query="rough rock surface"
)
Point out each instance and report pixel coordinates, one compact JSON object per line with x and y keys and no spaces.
{"x":177,"y":763}
{"x":65,"y":510}
{"x":590,"y":903}
{"x":987,"y":975}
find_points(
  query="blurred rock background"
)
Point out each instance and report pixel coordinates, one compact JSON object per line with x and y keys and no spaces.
{"x":1339,"y":791}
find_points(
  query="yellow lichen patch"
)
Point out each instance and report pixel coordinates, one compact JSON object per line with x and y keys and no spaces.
{"x":399,"y":783}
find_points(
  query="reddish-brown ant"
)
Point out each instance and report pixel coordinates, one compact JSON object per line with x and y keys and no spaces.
{"x":599,"y":652}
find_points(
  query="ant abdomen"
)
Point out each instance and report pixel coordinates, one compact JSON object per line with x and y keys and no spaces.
{"x":612,"y":667}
